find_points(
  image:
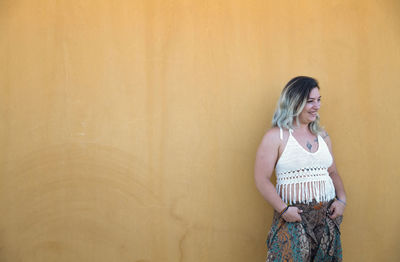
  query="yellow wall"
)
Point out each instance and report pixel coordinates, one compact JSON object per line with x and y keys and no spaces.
{"x":129,"y":128}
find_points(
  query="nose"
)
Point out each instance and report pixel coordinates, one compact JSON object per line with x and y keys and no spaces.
{"x":316,"y":105}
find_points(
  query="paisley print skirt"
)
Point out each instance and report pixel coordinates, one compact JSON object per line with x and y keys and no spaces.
{"x":316,"y":238}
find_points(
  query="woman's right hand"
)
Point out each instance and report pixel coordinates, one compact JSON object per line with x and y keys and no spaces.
{"x":292,"y":214}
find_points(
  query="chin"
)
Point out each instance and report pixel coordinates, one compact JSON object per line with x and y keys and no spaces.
{"x":313,"y":119}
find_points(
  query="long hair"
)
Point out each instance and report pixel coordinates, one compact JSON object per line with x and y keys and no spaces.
{"x":293,"y":98}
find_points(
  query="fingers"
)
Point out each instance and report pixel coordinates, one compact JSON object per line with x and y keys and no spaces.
{"x":334,"y":215}
{"x":332,"y":209}
{"x":292,"y":214}
{"x":295,"y":219}
{"x":335,"y":210}
{"x":299,"y":211}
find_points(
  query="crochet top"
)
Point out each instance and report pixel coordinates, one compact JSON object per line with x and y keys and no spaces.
{"x":303,"y":176}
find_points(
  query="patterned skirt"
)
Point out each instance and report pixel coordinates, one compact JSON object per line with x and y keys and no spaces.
{"x":316,"y":238}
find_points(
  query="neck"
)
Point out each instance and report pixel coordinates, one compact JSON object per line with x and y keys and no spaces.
{"x":302,"y":127}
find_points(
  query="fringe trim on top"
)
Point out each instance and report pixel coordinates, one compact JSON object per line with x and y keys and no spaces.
{"x":301,"y":188}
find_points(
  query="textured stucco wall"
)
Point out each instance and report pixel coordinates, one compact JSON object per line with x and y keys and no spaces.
{"x":129,"y":128}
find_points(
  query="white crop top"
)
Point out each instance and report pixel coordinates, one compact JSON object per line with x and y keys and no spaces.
{"x":303,"y":176}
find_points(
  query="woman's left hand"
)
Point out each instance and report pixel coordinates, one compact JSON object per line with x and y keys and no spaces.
{"x":336,"y":209}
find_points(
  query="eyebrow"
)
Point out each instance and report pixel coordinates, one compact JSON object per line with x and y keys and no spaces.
{"x":314,"y":98}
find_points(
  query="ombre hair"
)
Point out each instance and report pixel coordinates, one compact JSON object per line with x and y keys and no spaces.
{"x":292,"y":101}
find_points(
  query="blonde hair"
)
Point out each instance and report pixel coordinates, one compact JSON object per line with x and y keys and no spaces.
{"x":291,"y":103}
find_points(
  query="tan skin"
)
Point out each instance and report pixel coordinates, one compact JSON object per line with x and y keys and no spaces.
{"x":271,"y":148}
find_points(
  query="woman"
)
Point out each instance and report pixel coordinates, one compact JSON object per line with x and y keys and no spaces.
{"x":309,"y":197}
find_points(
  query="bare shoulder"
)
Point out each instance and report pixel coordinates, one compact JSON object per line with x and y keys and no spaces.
{"x":272,"y":135}
{"x":268,"y":150}
{"x":271,"y":138}
{"x":273,"y":132}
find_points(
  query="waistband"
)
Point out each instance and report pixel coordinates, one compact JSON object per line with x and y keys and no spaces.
{"x":313,"y":205}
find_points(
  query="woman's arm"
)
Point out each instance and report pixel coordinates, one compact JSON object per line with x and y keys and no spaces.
{"x":267,"y":155}
{"x":337,"y":207}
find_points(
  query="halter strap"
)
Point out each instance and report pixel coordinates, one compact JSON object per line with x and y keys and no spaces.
{"x":281,"y":132}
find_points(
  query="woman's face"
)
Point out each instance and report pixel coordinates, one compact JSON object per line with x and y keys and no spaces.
{"x":310,"y":110}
